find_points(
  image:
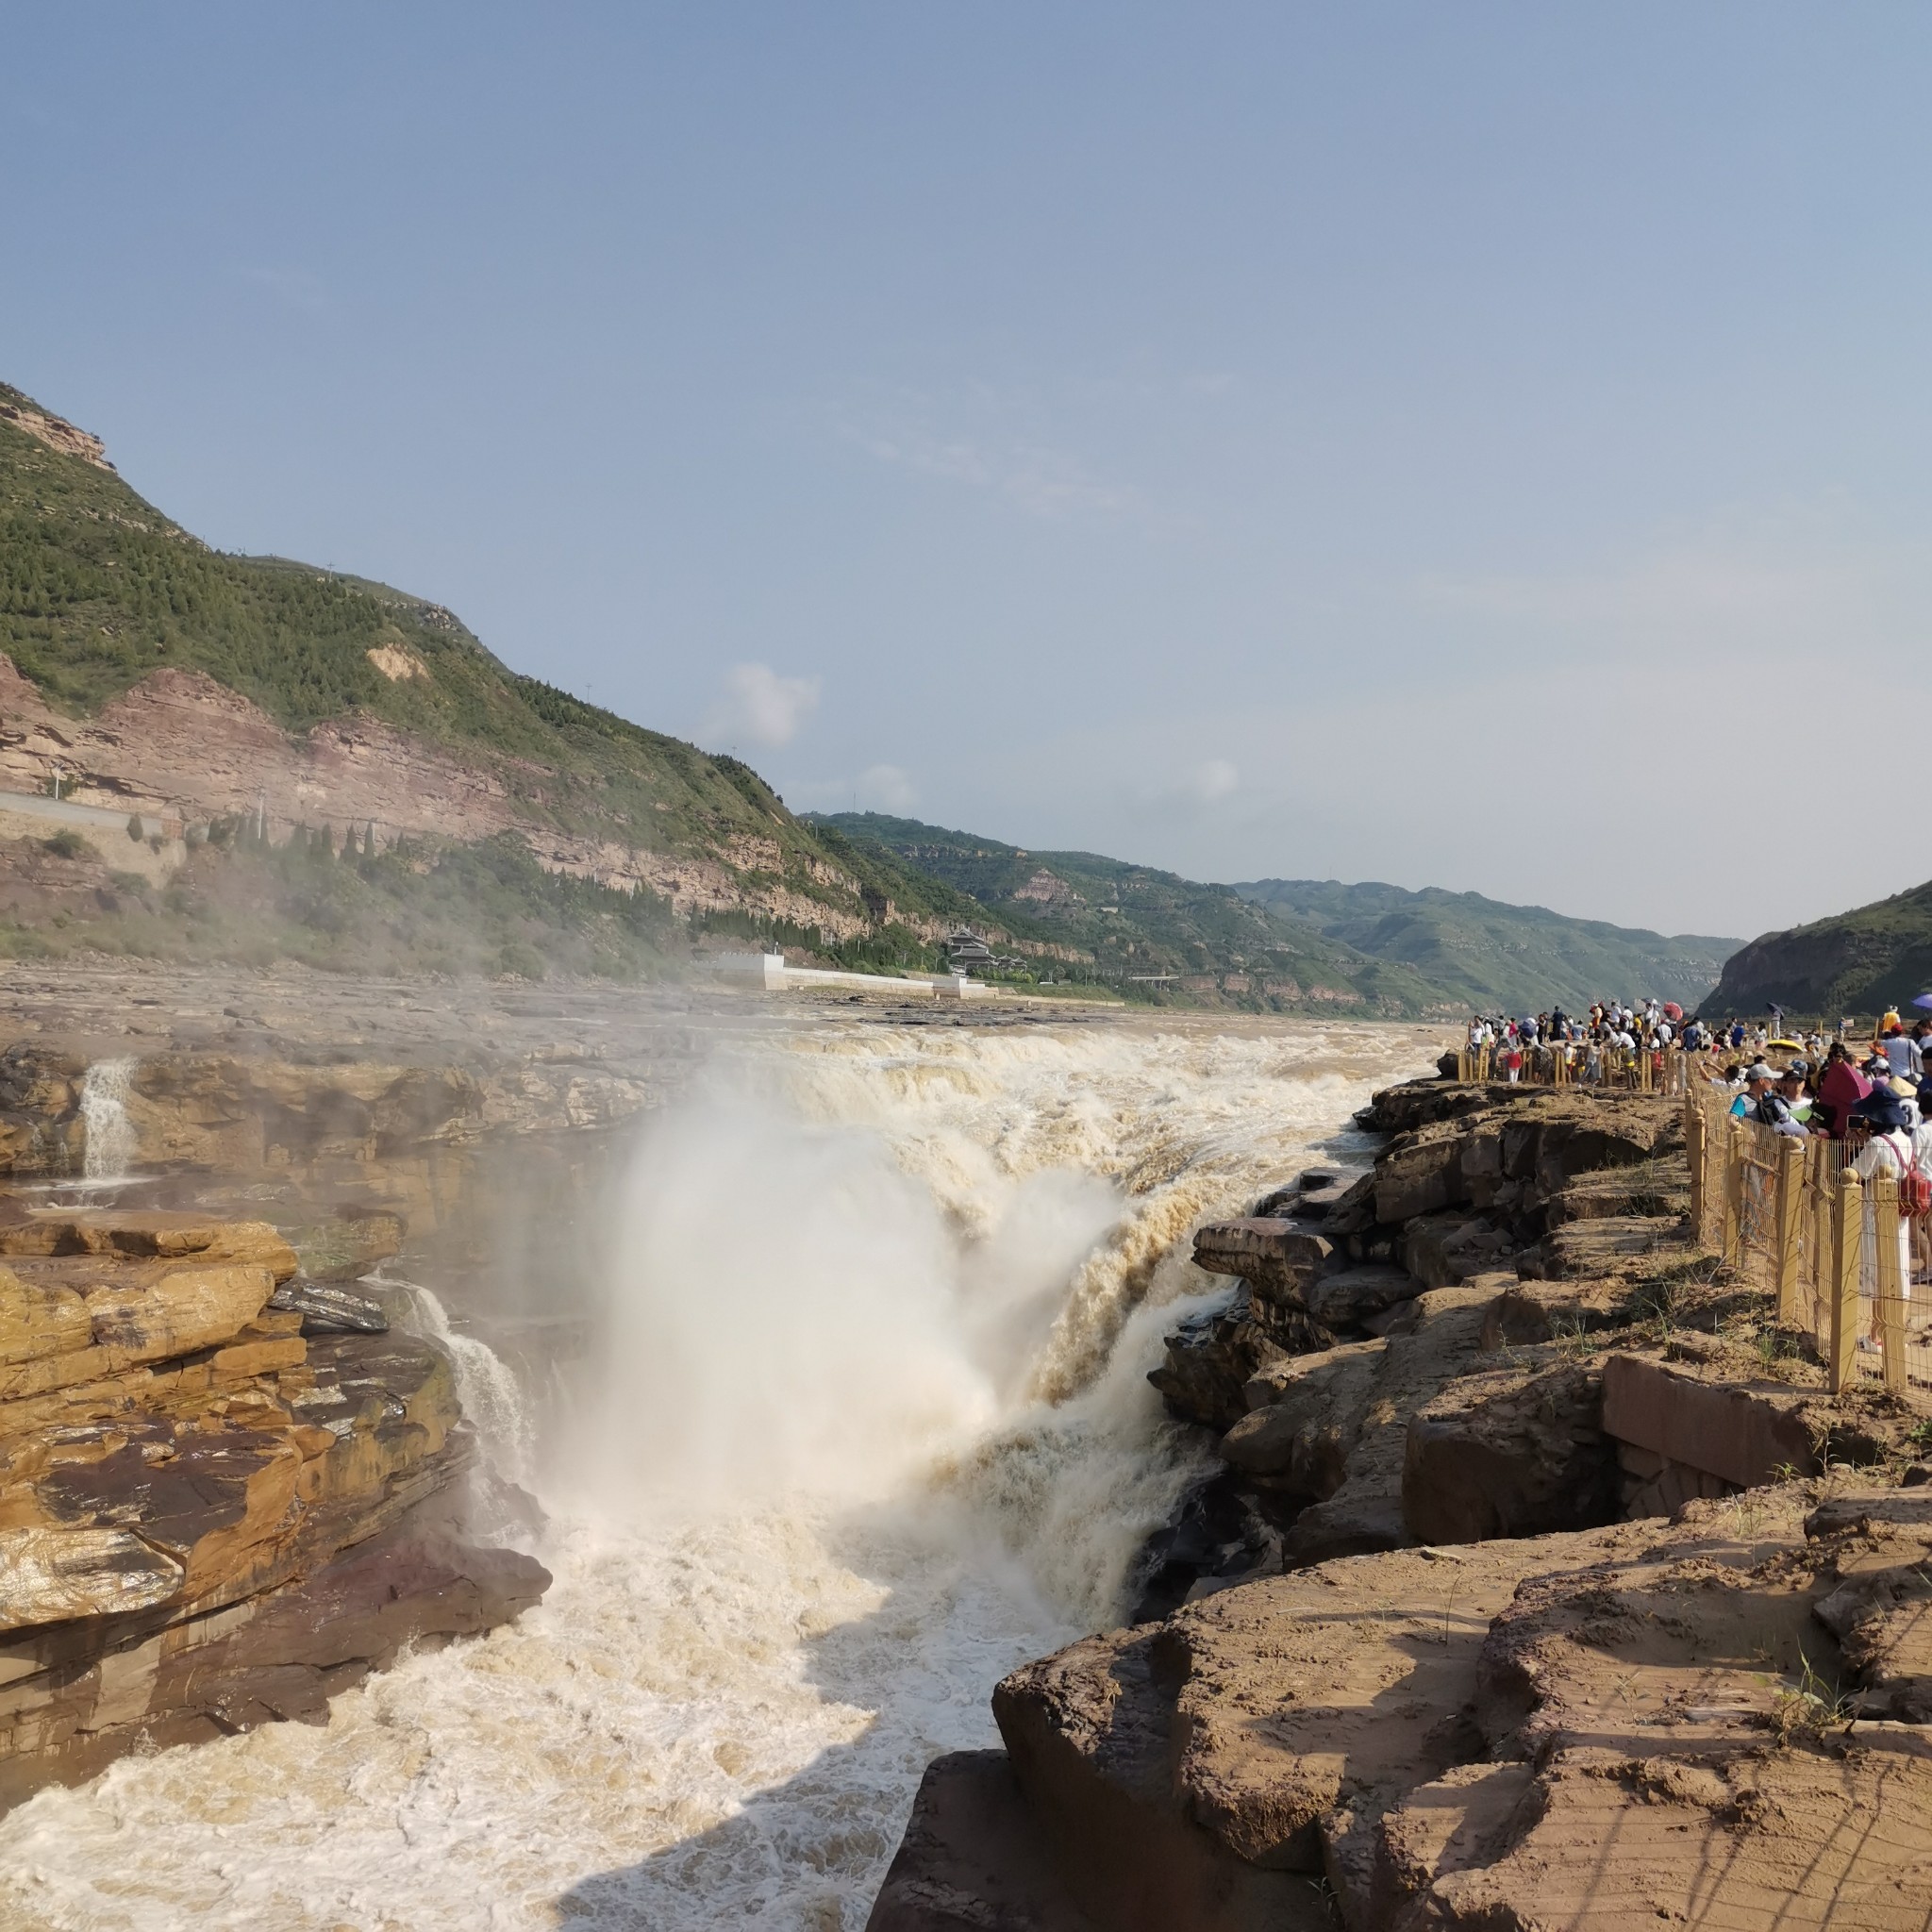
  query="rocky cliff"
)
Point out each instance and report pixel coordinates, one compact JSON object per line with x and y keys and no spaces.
{"x":1857,"y":962}
{"x":143,"y":672}
{"x":1544,"y":1582}
{"x":219,"y":1504}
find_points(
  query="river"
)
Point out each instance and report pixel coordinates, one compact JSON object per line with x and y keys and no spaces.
{"x":865,"y":1424}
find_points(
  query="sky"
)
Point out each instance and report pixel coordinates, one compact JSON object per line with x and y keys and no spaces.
{"x":1482,"y":446}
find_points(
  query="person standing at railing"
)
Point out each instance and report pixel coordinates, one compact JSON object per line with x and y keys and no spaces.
{"x":1881,"y":1133}
{"x":1901,"y":1052}
{"x":1757,"y":1079}
{"x":1922,"y":1152}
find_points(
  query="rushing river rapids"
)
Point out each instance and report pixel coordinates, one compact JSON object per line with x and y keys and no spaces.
{"x":866,"y":1425}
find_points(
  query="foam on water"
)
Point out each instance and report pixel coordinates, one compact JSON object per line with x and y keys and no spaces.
{"x":867,"y":1425}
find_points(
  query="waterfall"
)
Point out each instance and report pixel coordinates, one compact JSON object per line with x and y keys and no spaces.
{"x":865,"y":1423}
{"x":103,"y":1111}
{"x":487,"y":1387}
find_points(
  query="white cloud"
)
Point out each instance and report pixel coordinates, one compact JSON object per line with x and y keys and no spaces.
{"x":762,"y":707}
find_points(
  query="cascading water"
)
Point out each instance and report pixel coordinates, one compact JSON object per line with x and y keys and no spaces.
{"x":487,"y":1387}
{"x":866,"y":1425}
{"x":109,"y":1154}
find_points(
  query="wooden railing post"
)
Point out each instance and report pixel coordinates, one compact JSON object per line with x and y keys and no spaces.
{"x":1693,"y":1154}
{"x":1847,"y":1237}
{"x":1888,"y":1288}
{"x":1734,"y":1192}
{"x":1790,"y":1195}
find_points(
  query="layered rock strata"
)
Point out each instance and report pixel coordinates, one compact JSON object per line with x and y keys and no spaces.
{"x":213,"y":1511}
{"x":1720,"y":1722}
{"x":1453,"y":1690}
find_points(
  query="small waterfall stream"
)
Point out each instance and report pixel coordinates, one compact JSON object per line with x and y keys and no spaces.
{"x":110,"y":1147}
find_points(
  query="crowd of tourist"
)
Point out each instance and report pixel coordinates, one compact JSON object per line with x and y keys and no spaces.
{"x":1874,"y":1098}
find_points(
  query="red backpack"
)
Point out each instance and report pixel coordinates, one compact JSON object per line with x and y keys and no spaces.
{"x":1914,"y":1187}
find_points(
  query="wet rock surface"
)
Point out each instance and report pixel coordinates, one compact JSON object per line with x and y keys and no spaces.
{"x":210,"y":1517}
{"x":1471,"y":1696}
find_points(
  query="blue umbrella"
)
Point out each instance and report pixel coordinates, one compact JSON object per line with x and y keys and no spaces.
{"x":1924,"y":999}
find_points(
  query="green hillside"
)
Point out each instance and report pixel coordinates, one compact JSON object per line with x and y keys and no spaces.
{"x":98,"y":588}
{"x":1485,"y":954}
{"x":1135,"y":921}
{"x":1857,"y":962}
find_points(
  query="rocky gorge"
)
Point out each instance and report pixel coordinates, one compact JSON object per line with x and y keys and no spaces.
{"x":230,"y":1485}
{"x":1540,"y":1582}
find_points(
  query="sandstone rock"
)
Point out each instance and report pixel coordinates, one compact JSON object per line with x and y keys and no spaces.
{"x":1089,"y":1733}
{"x":1525,"y":1313}
{"x":73,"y":1697}
{"x":348,"y":1245}
{"x":1352,"y":1297}
{"x":973,"y":1860}
{"x":1210,"y":1357}
{"x":175,"y":1462}
{"x":1312,"y":1407}
{"x":1747,"y":1435}
{"x":1260,"y":1247}
{"x":322,"y":1306}
{"x":1501,"y":1455}
{"x":1420,"y":1173}
{"x":47,"y":1575}
{"x":1353,"y":1210}
{"x":1581,"y":1249}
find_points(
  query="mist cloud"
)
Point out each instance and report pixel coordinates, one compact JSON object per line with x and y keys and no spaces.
{"x":762,"y":707}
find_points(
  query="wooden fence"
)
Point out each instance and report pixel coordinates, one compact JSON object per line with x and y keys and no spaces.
{"x":1575,"y":1063}
{"x":1790,"y":1216}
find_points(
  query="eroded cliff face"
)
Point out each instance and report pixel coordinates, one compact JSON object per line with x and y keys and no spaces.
{"x":187,"y":749}
{"x":214,"y":1511}
{"x":1402,"y":1665}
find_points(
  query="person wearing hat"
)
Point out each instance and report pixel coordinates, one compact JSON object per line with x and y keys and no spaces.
{"x":1758,"y":1078}
{"x":1881,"y":1134}
{"x":1901,"y":1051}
{"x":1786,"y":1106}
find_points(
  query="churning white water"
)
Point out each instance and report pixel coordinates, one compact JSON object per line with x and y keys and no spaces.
{"x":110,"y":1144}
{"x":865,"y":1425}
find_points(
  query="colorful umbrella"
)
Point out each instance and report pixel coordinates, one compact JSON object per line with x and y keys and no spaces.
{"x":1672,"y":1011}
{"x":1924,"y":999}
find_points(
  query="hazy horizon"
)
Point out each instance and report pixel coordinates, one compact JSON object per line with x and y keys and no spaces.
{"x":1461,"y":450}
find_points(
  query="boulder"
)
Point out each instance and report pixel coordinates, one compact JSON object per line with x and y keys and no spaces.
{"x":974,"y":1858}
{"x":1299,"y":1441}
{"x":1260,"y":1247}
{"x":1420,"y":1173}
{"x":1352,"y":1297}
{"x":1507,"y":1453}
{"x":1210,"y":1357}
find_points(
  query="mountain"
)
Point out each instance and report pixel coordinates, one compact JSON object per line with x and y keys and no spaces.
{"x":145,"y":673}
{"x":1483,"y":954}
{"x":1856,"y":963}
{"x":1137,"y":924}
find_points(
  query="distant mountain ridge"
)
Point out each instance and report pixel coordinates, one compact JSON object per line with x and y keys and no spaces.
{"x":1484,"y":953}
{"x":1139,"y":924}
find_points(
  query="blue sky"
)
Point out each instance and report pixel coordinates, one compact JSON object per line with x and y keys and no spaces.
{"x":1471,"y":445}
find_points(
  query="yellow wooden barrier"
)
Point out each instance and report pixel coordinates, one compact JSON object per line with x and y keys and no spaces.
{"x":1889,"y":1289}
{"x":1789,"y":1200}
{"x":1847,"y":1236}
